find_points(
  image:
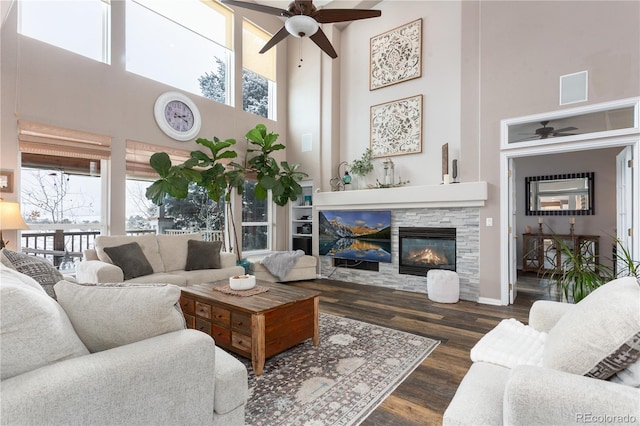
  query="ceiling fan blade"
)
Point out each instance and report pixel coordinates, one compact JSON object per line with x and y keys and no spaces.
{"x":277,"y":38}
{"x":527,"y":139}
{"x":564,"y":134}
{"x":258,"y":7}
{"x":327,"y":16}
{"x":565,"y":129}
{"x":323,"y":43}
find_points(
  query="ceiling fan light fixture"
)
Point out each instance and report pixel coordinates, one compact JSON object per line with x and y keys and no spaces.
{"x":301,"y":26}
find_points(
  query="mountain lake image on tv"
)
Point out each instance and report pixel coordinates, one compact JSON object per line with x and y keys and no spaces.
{"x":356,"y":234}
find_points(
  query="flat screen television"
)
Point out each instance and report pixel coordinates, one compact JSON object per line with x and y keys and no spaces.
{"x":355,"y":234}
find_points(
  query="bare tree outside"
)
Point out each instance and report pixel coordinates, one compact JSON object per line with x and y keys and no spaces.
{"x":49,"y":197}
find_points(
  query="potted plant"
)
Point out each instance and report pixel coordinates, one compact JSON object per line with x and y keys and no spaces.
{"x":219,"y":175}
{"x":580,"y":271}
{"x":362,"y":166}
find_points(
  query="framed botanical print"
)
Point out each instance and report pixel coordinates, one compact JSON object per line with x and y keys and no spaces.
{"x":396,"y":56}
{"x":396,"y":127}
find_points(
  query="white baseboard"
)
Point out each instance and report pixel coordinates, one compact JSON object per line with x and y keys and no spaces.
{"x":488,"y":301}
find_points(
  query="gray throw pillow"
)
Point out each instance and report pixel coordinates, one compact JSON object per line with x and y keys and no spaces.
{"x":130,"y":258}
{"x":203,"y":255}
{"x":37,"y":268}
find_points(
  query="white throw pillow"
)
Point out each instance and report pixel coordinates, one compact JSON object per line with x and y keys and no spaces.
{"x":34,"y":330}
{"x":148,"y":244}
{"x":601,"y":335}
{"x":173,"y":250}
{"x":106,"y":316}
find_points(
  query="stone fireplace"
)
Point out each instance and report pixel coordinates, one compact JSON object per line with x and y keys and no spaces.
{"x":454,"y":206}
{"x":421,"y":249}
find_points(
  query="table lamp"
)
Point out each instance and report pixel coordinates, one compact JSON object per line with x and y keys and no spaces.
{"x":10,"y":219}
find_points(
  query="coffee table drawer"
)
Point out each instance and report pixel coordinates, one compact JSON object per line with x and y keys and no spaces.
{"x":220,"y":316}
{"x":241,"y":341}
{"x":187,"y":305}
{"x":190,"y":320}
{"x":221,"y":335}
{"x":241,"y":322}
{"x":203,"y":325}
{"x":203,"y":310}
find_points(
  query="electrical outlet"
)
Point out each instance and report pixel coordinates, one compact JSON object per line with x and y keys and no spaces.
{"x":489,"y":221}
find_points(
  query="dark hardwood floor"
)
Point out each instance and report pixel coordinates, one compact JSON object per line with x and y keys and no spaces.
{"x":423,"y":397}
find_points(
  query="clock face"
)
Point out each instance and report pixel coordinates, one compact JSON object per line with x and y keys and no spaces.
{"x":177,"y":116}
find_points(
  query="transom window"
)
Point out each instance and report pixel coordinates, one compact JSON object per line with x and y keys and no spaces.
{"x":80,"y":26}
{"x":179,"y":43}
{"x":258,"y":72}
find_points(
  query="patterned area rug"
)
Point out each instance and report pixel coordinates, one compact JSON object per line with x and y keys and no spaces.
{"x":340,"y":382}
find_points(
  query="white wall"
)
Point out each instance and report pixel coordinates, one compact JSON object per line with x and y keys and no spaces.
{"x":440,"y":85}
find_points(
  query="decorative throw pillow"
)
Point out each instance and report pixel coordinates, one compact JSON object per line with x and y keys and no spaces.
{"x":148,"y":243}
{"x":34,"y":329}
{"x":173,"y":250}
{"x":37,"y":268}
{"x":106,"y":316}
{"x":203,"y":255}
{"x":600,"y":335}
{"x":130,"y":258}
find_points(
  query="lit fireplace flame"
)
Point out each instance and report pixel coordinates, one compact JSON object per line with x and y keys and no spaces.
{"x":427,"y":256}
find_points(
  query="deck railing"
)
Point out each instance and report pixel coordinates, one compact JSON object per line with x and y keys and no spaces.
{"x":54,"y":245}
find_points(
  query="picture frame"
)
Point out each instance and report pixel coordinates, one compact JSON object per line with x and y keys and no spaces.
{"x":396,"y":127}
{"x":396,"y":55}
{"x":6,"y":181}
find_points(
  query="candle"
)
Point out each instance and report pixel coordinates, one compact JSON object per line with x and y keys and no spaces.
{"x":572,"y":220}
{"x":539,"y":220}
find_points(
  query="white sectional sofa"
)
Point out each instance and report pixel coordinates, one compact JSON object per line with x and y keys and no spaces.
{"x":167,"y":255}
{"x":573,"y":381}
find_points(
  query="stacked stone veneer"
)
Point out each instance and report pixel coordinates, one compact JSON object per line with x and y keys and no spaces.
{"x":467,"y":223}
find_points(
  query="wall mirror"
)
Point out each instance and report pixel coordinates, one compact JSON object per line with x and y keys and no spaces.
{"x":558,"y":195}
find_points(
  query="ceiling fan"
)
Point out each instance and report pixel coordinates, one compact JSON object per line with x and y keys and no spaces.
{"x":544,"y":132}
{"x":303,"y":19}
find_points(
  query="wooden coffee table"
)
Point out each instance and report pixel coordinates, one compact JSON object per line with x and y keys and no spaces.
{"x":256,"y":327}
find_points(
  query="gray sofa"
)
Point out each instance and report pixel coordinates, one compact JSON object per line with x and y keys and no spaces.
{"x":89,"y":360}
{"x":590,"y":339}
{"x":167,"y":255}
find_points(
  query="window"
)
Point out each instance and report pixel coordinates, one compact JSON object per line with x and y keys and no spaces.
{"x":186,"y":44}
{"x":196,"y":212}
{"x":63,"y":178}
{"x":80,"y":26}
{"x":258,"y":72}
{"x":256,"y":224}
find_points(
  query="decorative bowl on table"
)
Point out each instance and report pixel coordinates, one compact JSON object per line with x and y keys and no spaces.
{"x":242,"y":282}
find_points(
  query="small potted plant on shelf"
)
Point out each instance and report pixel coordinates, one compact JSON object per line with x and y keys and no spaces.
{"x":363,"y":166}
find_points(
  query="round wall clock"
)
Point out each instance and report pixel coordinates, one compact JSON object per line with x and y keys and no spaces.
{"x":177,"y":116}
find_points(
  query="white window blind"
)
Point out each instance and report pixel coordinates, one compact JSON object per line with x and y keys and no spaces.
{"x":44,"y":139}
{"x":138,"y":155}
{"x":253,"y":39}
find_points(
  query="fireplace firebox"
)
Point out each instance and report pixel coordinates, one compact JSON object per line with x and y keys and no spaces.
{"x":422,"y":249}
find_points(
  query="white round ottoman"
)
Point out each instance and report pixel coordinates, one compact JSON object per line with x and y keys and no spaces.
{"x":443,"y":286}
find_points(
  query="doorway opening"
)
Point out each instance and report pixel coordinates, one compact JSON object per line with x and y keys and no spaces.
{"x":607,"y":153}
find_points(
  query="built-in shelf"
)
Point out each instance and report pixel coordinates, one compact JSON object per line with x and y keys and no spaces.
{"x":471,"y":194}
{"x":299,"y":240}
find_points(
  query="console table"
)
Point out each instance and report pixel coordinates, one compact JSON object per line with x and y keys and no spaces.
{"x":540,"y":254}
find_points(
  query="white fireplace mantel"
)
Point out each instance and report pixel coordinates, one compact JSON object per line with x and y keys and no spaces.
{"x":471,"y":194}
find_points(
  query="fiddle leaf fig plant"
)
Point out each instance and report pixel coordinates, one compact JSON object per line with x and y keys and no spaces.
{"x":218,"y":174}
